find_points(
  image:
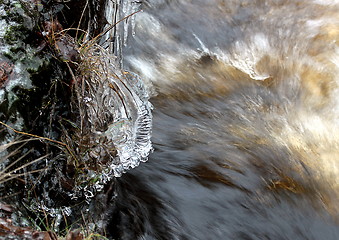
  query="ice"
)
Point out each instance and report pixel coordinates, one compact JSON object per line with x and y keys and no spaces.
{"x":119,"y":114}
{"x":129,"y":8}
{"x":116,"y":11}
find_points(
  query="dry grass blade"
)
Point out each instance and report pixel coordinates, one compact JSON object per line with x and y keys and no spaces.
{"x":13,"y":152}
{"x":7,"y":176}
{"x":16,"y":161}
{"x":7,"y":145}
{"x":15,"y":176}
{"x":32,"y":135}
{"x":82,"y":15}
{"x":64,"y":31}
{"x":36,"y":137}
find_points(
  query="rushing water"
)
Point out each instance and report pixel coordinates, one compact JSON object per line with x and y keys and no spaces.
{"x":245,"y":96}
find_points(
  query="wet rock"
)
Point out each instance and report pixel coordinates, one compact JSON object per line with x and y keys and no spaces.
{"x":59,"y":41}
{"x":66,"y":48}
{"x":7,"y":229}
{"x":6,"y":69}
{"x":44,"y":236}
{"x":75,"y":235}
{"x":6,"y":208}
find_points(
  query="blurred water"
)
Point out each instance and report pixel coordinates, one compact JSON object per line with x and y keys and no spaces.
{"x":245,"y":97}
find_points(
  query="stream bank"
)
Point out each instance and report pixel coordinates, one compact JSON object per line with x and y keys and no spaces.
{"x":67,"y":129}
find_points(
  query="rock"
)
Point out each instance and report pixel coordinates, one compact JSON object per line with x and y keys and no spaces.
{"x":6,"y":69}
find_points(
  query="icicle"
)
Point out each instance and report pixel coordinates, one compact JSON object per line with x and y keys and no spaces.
{"x":123,"y":29}
{"x":134,"y":9}
{"x":126,"y":31}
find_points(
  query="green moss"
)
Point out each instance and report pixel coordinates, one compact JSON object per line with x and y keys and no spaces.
{"x":14,"y":16}
{"x":16,"y":34}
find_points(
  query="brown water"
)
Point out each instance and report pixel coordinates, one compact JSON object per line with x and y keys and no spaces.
{"x":246,"y":133}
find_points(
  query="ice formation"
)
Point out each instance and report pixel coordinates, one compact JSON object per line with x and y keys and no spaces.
{"x":117,"y":110}
{"x":117,"y":37}
{"x":116,"y":115}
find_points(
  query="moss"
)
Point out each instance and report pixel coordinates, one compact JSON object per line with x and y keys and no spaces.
{"x":13,"y":16}
{"x":16,"y":34}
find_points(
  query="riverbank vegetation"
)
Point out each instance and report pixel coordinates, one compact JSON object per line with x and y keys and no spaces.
{"x":56,"y":169}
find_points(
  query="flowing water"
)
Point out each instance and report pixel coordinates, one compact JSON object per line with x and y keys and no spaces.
{"x":245,"y":121}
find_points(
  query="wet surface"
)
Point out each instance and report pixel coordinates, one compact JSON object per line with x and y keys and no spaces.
{"x":245,"y":122}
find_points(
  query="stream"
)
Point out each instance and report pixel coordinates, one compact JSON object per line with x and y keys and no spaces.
{"x":182,"y":120}
{"x":245,"y":121}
